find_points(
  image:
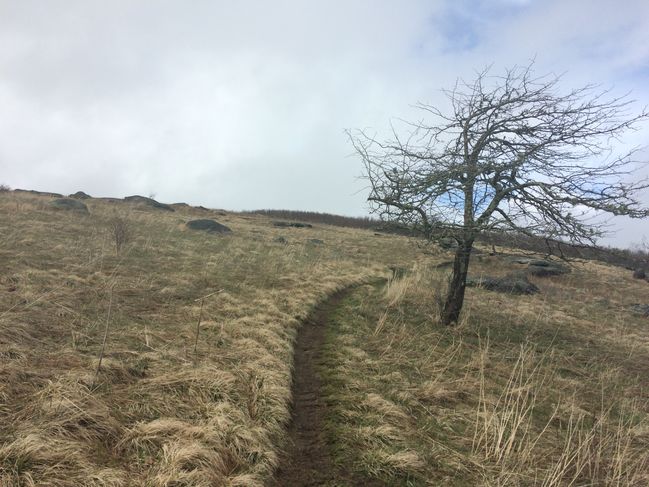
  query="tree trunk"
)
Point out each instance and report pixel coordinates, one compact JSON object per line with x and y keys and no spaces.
{"x":455,"y":296}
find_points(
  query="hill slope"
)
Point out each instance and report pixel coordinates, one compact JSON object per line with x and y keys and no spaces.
{"x":195,"y":375}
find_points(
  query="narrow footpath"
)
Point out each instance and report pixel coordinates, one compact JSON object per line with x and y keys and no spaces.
{"x":307,"y":460}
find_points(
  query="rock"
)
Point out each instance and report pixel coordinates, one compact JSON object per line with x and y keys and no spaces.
{"x":281,"y":240}
{"x":80,"y":195}
{"x":315,"y":241}
{"x":292,"y":224}
{"x":544,"y":268}
{"x":68,"y":204}
{"x":448,"y":243}
{"x":512,"y":284}
{"x":209,"y":226}
{"x":143,"y":200}
{"x":642,"y":309}
{"x":39,"y":193}
{"x":539,"y":267}
{"x":639,"y":274}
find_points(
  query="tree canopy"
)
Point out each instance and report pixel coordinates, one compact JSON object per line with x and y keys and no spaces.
{"x":512,"y":153}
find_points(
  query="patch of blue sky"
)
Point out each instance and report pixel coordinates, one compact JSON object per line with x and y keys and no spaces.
{"x":636,"y":75}
{"x":462,"y":24}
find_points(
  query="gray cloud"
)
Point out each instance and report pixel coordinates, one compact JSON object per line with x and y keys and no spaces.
{"x":243,"y":104}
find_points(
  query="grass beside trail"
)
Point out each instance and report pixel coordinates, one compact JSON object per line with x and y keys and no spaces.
{"x":167,"y":406}
{"x":543,"y":390}
{"x":550,"y":389}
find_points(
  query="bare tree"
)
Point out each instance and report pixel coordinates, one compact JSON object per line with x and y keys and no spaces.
{"x":511,"y":153}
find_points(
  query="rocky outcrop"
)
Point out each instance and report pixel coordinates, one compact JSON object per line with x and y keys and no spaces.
{"x":68,"y":204}
{"x":209,"y":226}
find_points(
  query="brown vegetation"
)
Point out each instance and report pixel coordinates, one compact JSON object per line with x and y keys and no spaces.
{"x":158,"y":414}
{"x":541,"y":390}
{"x":169,"y":363}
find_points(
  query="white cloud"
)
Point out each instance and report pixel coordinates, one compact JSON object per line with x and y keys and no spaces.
{"x":243,"y":104}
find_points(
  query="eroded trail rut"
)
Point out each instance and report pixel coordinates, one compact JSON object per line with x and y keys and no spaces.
{"x":307,"y":459}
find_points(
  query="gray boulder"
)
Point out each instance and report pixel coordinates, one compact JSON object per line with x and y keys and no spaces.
{"x":539,"y":267}
{"x":292,"y":224}
{"x":447,"y":243}
{"x":512,"y":284}
{"x":150,"y":202}
{"x":209,"y":226}
{"x":544,"y":268}
{"x":80,"y":195}
{"x":39,"y":193}
{"x":68,"y":204}
{"x":641,"y":309}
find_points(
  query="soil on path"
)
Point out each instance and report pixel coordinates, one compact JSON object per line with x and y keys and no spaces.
{"x":307,"y":460}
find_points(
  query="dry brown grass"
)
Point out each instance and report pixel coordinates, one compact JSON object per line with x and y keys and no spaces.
{"x":166,"y":409}
{"x":544,"y":390}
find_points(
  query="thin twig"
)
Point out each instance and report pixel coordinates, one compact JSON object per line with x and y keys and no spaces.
{"x":103,"y":343}
{"x":200,"y":316}
{"x":198,"y":327}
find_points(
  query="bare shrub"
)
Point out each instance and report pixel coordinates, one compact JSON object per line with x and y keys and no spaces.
{"x":4,"y":188}
{"x":121,"y":232}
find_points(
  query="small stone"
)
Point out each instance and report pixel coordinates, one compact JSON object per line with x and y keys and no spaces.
{"x":642,"y":309}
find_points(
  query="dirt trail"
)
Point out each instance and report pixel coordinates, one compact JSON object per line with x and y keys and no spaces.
{"x":307,"y":461}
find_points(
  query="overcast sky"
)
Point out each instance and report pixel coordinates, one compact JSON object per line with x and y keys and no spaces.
{"x":243,"y":105}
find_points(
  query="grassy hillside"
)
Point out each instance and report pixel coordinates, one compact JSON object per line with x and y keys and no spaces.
{"x":550,"y":389}
{"x":542,"y":390}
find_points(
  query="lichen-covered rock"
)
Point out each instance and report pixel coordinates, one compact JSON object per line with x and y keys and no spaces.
{"x":512,"y":284}
{"x":641,"y":309}
{"x":39,"y":193}
{"x":539,"y":267}
{"x":282,"y":224}
{"x":209,"y":226}
{"x":544,"y":268}
{"x":144,"y":201}
{"x":68,"y":204}
{"x":80,"y":195}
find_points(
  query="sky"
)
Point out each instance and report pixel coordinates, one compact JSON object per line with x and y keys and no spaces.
{"x":244,"y":105}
